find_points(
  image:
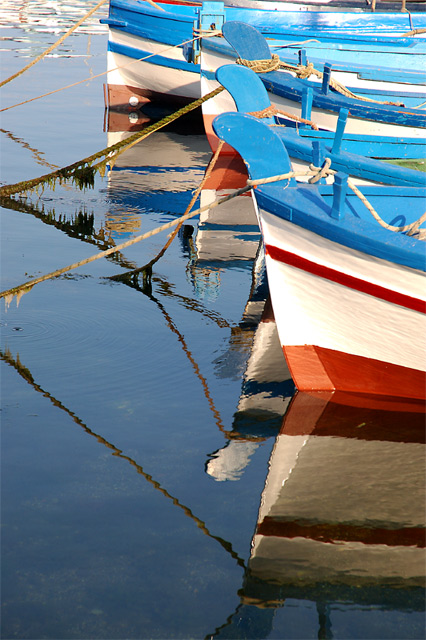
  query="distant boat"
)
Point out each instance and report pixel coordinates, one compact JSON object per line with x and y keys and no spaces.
{"x":153,"y":51}
{"x":349,"y":295}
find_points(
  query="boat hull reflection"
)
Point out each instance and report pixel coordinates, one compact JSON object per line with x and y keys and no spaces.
{"x":342,"y":512}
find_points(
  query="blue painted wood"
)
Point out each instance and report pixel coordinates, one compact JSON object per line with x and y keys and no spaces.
{"x":247,"y":41}
{"x":258,"y":137}
{"x":303,"y":59}
{"x":374,"y":147}
{"x":318,"y":156}
{"x":327,"y":27}
{"x":340,"y":130}
{"x":305,"y":206}
{"x":245,"y":87}
{"x":340,"y":188}
{"x":113,"y":22}
{"x":326,"y":78}
{"x":250,"y":95}
{"x":359,"y":63}
{"x":307,"y":98}
{"x":160,"y":61}
{"x":290,"y":88}
{"x":244,"y":40}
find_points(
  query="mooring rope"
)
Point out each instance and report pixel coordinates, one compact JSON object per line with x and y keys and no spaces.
{"x":148,"y":266}
{"x":413,"y":32}
{"x":82,"y":172}
{"x":313,"y":171}
{"x":9,"y":293}
{"x":272,"y":110}
{"x":303,"y":72}
{"x":53,"y":46}
{"x":99,"y":75}
{"x":321,"y":172}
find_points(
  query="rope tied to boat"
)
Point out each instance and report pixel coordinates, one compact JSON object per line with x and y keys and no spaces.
{"x":261,"y":66}
{"x":414,"y":32}
{"x":303,"y":72}
{"x":19,"y":290}
{"x":272,"y":110}
{"x":82,"y":172}
{"x":412,"y":229}
{"x":322,"y":172}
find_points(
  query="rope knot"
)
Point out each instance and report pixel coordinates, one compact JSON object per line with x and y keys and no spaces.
{"x":322,"y":172}
{"x":304,"y":71}
{"x":261,"y":66}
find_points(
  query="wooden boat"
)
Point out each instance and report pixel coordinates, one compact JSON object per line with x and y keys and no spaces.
{"x":246,"y":92}
{"x":356,"y":6}
{"x":348,"y":294}
{"x":153,"y":51}
{"x":341,"y":534}
{"x":369,"y":128}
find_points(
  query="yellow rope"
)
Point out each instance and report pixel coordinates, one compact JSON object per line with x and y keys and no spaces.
{"x":320,"y":172}
{"x":56,"y":44}
{"x":28,"y":285}
{"x":411,"y":229}
{"x":82,"y":172}
{"x":303,"y":72}
{"x":124,"y":66}
{"x":272,"y":110}
{"x":413,"y":32}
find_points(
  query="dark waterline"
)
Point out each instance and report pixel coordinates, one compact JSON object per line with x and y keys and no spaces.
{"x":146,"y":432}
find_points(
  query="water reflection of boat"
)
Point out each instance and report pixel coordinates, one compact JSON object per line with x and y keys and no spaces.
{"x":266,"y":390}
{"x":163,"y":163}
{"x":230,"y":232}
{"x":266,"y":382}
{"x":341,"y":518}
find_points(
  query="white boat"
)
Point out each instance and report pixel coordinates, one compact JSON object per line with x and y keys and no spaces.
{"x":153,"y":51}
{"x":348,"y":291}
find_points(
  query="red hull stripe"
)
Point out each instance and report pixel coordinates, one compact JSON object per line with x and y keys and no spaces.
{"x":326,"y":532}
{"x":346,"y":280}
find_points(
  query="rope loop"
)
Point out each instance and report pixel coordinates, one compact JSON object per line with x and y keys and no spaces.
{"x":305,"y":71}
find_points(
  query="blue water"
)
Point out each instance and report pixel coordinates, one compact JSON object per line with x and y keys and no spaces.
{"x":136,"y":441}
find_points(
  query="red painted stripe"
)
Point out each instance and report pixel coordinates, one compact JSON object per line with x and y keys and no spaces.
{"x":346,"y":280}
{"x":330,"y":532}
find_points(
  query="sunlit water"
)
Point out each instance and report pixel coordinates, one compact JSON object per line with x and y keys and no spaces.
{"x":141,"y":466}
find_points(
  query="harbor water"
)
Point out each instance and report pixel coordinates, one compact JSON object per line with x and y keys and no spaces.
{"x":160,"y":477}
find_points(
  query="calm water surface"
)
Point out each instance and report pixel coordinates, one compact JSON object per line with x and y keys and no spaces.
{"x":150,"y":487}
